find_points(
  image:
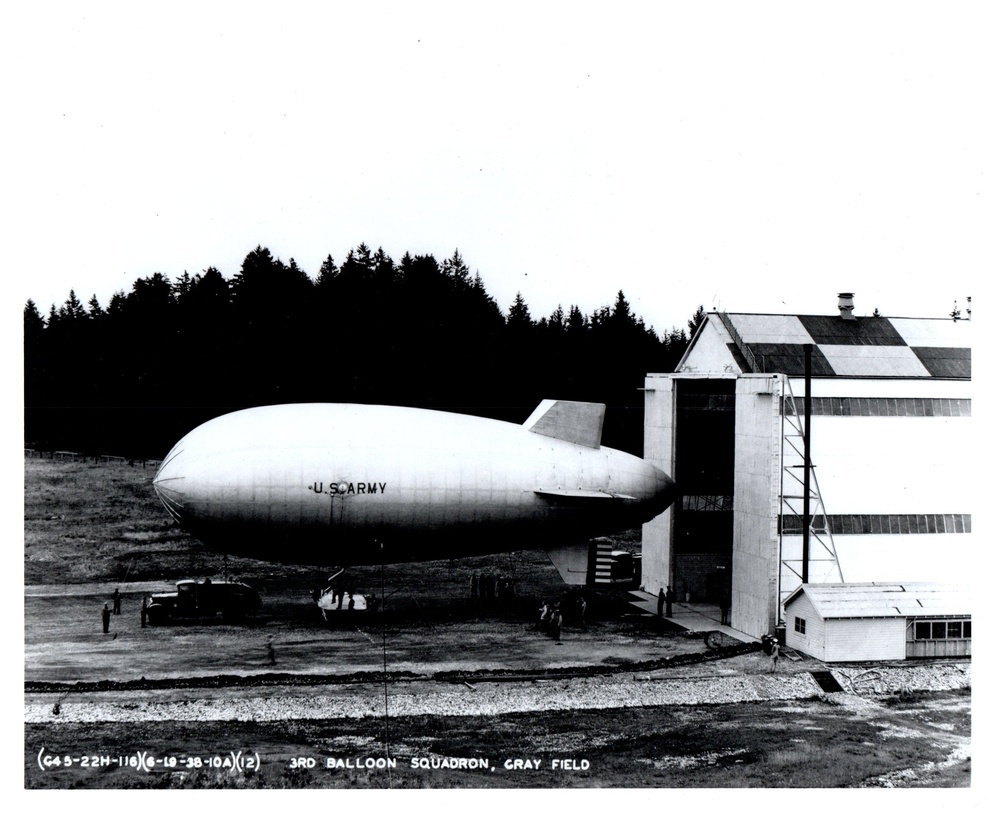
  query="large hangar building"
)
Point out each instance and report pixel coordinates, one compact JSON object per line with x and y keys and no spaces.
{"x":890,"y":441}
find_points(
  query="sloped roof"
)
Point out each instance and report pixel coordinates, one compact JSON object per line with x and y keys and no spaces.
{"x":852,"y":600}
{"x":864,"y":347}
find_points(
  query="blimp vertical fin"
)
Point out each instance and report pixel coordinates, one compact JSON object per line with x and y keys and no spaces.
{"x":578,"y":422}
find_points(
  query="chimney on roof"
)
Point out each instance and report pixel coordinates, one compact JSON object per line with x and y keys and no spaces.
{"x":846,"y":305}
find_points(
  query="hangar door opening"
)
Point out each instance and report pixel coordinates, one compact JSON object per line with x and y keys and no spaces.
{"x":705,"y":433}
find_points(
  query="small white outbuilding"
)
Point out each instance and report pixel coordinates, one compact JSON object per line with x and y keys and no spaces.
{"x":854,"y":622}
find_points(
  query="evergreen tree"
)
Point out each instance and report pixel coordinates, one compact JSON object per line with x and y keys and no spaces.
{"x":576,"y":323}
{"x":34,"y":323}
{"x":695,"y":321}
{"x":182,"y":285}
{"x":621,"y":312}
{"x":72,"y":309}
{"x":518,"y":316}
{"x":116,"y":304}
{"x":327,"y":272}
{"x":455,"y":268}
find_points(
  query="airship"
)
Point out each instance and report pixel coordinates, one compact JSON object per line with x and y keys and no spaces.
{"x":352,"y":484}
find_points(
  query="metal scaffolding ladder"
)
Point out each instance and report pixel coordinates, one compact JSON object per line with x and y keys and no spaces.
{"x":824,"y":566}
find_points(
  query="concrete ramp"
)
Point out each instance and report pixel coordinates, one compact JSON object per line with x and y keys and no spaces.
{"x":697,"y":617}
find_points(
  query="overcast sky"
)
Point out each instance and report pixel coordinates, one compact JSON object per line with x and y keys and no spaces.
{"x":749,"y":157}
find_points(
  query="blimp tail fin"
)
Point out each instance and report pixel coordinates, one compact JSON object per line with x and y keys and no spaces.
{"x":577,"y":422}
{"x":572,"y":562}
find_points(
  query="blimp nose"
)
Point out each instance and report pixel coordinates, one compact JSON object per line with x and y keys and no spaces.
{"x":665,"y":492}
{"x":168,"y":483}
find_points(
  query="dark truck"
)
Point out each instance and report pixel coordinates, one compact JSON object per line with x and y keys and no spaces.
{"x":194,"y":600}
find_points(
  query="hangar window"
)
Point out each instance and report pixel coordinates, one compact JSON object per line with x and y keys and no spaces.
{"x":708,"y":503}
{"x":800,"y":625}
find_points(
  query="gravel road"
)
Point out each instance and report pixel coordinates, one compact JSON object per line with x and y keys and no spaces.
{"x":485,"y":698}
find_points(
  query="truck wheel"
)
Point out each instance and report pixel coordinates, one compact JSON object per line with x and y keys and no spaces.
{"x":714,"y":639}
{"x":156,"y":615}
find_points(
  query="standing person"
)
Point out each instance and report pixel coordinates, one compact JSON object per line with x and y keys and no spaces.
{"x":556,"y":623}
{"x":583,"y":612}
{"x":775,"y":653}
{"x":543,"y":620}
{"x":669,"y":600}
{"x":145,"y":611}
{"x":724,"y":602}
{"x":661,"y":600}
{"x":117,"y":604}
{"x":106,"y":618}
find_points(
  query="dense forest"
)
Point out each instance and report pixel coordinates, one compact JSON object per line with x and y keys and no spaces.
{"x":131,"y":378}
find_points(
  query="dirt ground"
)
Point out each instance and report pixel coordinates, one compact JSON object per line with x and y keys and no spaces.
{"x":64,"y":645}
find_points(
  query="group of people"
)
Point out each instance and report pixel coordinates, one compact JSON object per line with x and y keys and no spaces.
{"x":116,"y":609}
{"x":551,"y":620}
{"x":551,"y":615}
{"x":487,"y":587}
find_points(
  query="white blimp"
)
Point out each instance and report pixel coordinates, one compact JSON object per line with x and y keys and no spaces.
{"x":347,"y":484}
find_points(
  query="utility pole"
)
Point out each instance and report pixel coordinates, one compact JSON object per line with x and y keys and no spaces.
{"x":807,"y":471}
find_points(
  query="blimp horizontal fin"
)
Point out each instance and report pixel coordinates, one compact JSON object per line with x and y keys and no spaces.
{"x":577,"y":422}
{"x":563,"y":493}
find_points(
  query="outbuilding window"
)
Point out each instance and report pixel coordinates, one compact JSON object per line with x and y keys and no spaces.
{"x":943,"y":630}
{"x":800,"y":625}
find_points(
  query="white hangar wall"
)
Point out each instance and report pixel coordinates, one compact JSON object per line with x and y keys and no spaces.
{"x":897,"y":488}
